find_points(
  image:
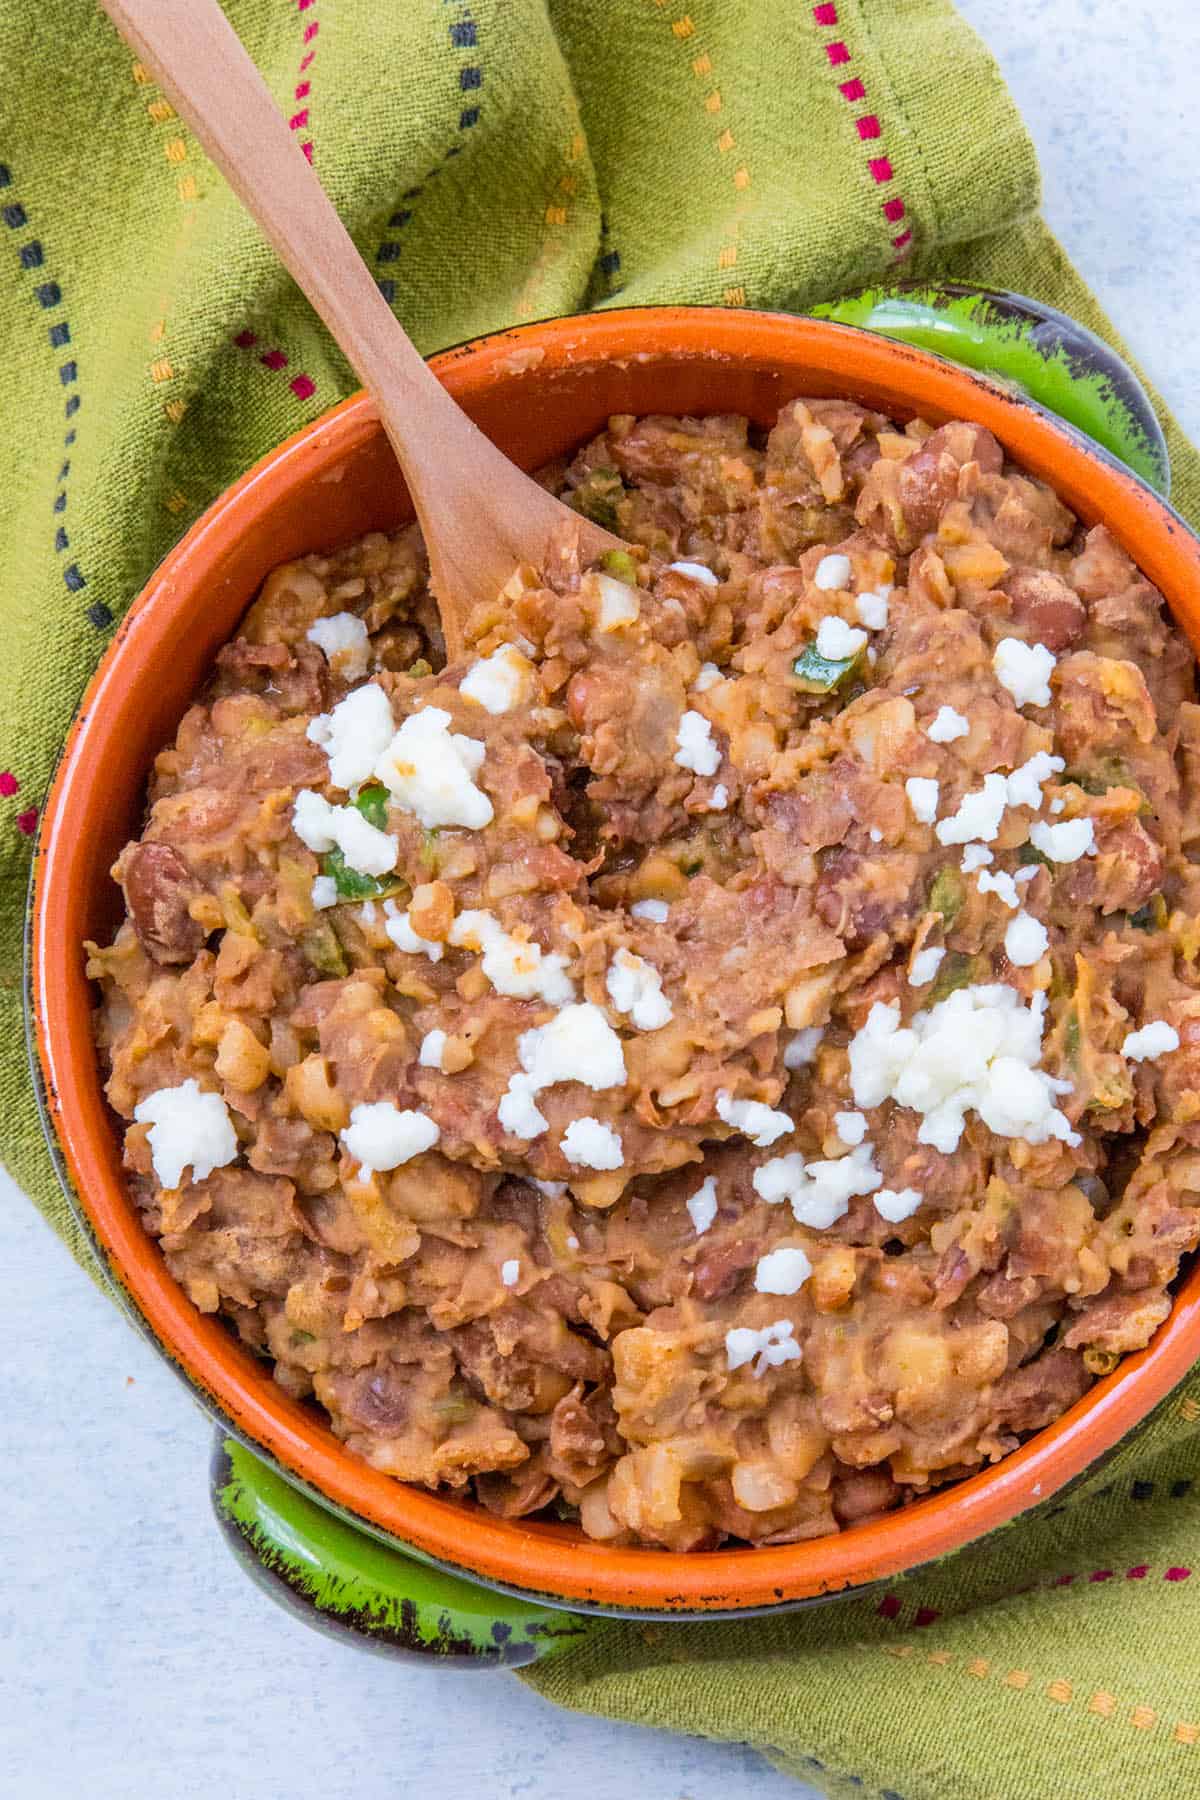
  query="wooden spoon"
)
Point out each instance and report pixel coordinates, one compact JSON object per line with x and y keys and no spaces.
{"x":479,"y":513}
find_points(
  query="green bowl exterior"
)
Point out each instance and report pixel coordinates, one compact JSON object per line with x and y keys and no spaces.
{"x":348,"y":1582}
{"x":1028,"y":348}
{"x":339,"y":1580}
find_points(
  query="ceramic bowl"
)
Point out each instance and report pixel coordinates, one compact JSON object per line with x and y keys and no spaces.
{"x":538,"y":391}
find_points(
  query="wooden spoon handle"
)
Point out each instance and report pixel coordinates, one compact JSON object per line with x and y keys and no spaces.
{"x":480,"y":515}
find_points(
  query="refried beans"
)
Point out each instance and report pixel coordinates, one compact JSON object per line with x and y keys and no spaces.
{"x":723,"y":1058}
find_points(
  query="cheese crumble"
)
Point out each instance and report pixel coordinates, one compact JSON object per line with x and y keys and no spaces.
{"x":923,"y":795}
{"x":510,"y":1272}
{"x":428,"y":770}
{"x":1000,"y":884}
{"x":655,"y":910}
{"x":381,"y":1137}
{"x":578,"y":1044}
{"x":708,"y":677}
{"x":851,"y":1127}
{"x":702,"y":1207}
{"x":872,"y":609}
{"x":433,"y":1048}
{"x":836,"y":640}
{"x":895,"y":1204}
{"x":590,"y":1145}
{"x":321,"y":826}
{"x":1025,"y":670}
{"x":189,"y":1128}
{"x":696,"y":748}
{"x":517,"y":967}
{"x":946,"y":726}
{"x":832,"y":572}
{"x":782,"y":1271}
{"x":978,"y":815}
{"x":324,"y":893}
{"x":1153,"y":1040}
{"x":759,"y":1123}
{"x":773,"y":1345}
{"x":635,"y":987}
{"x":975,"y":856}
{"x":924,"y":966}
{"x":1065,"y":842}
{"x":354,"y":735}
{"x":1026,"y":941}
{"x":802,"y":1048}
{"x":818,"y":1192}
{"x":978,"y":1050}
{"x":697,"y":571}
{"x":344,"y":642}
{"x":500,"y":681}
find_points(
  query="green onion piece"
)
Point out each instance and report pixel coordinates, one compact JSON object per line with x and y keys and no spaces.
{"x":303,"y":1337}
{"x":947,"y":894}
{"x":420,"y":669}
{"x":597,"y":495}
{"x":352,"y":885}
{"x":455,"y":1409}
{"x":1104,"y":773}
{"x":822,"y":674}
{"x":1029,"y":853}
{"x":372,"y":803}
{"x":956,"y":972}
{"x":620,"y":564}
{"x":429,"y":848}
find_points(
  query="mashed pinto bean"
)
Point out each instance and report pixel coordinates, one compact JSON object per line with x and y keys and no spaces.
{"x":774,"y":1089}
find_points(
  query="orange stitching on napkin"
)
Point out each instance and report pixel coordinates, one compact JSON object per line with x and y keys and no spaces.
{"x":868,"y":128}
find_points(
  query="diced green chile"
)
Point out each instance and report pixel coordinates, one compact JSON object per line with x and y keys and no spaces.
{"x":351,"y":884}
{"x":620,"y":564}
{"x":947,"y":894}
{"x":1029,"y":853}
{"x":322,"y":948}
{"x":372,"y":803}
{"x":823,"y":674}
{"x":957,"y":971}
{"x":597,"y":495}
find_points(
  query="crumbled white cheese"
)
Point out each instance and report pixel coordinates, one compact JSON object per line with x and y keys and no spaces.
{"x":518,"y":1112}
{"x":572,"y":1240}
{"x":510,"y":1272}
{"x":554,"y":1190}
{"x":836,"y":640}
{"x":322,"y":826}
{"x":872,"y":609}
{"x":1065,"y":842}
{"x":975,"y":856}
{"x":428,"y":769}
{"x":398,"y":926}
{"x":702,"y":1206}
{"x":760,"y":1124}
{"x":514,"y":966}
{"x":635,"y":987}
{"x":978,"y":1050}
{"x":924,"y":966}
{"x":875,"y":835}
{"x":1026,"y":874}
{"x":946,"y":726}
{"x":620,"y":602}
{"x":782,"y":1271}
{"x":708,"y":677}
{"x":1001,"y":885}
{"x":1025,"y":670}
{"x":590,"y":1145}
{"x":696,"y":748}
{"x":354,"y":735}
{"x":500,"y":681}
{"x":1026,"y":941}
{"x":380,"y":1136}
{"x":832,"y":572}
{"x":344,"y":641}
{"x":366,"y":912}
{"x":851,"y":1127}
{"x":803,"y":1047}
{"x":773,"y":1345}
{"x":656,"y":910}
{"x":1152,"y":1041}
{"x":189,"y":1128}
{"x":979,"y":814}
{"x":433,"y":1048}
{"x":578,"y":1044}
{"x":1058,"y":804}
{"x":923,"y":795}
{"x":819,"y":1193}
{"x":697,"y":571}
{"x":1025,"y":783}
{"x":324,"y":892}
{"x":718,"y":800}
{"x":894,"y":1204}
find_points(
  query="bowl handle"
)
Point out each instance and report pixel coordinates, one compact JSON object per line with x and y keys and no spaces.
{"x":342,"y":1581}
{"x":1028,"y":347}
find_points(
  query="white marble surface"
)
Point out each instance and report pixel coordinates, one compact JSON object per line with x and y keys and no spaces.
{"x":135,"y":1661}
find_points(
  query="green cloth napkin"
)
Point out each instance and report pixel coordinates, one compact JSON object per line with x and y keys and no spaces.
{"x":501,"y":160}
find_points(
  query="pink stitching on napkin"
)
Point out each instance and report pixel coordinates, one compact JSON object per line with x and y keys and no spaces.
{"x":299,"y":121}
{"x":868,"y":127}
{"x":9,"y":785}
{"x":303,"y":386}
